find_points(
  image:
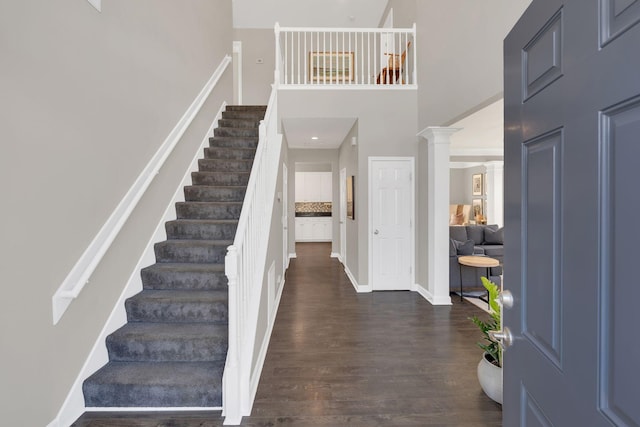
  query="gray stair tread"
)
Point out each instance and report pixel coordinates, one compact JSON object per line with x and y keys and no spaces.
{"x":155,"y":384}
{"x":246,"y":108}
{"x":160,"y":373}
{"x":180,"y":296}
{"x":194,"y":242}
{"x":215,"y":173}
{"x":204,"y":221}
{"x":214,"y":187}
{"x":149,"y":331}
{"x":187,"y":267}
{"x":208,"y":203}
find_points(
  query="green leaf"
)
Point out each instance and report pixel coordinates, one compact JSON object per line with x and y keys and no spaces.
{"x":493,"y":324}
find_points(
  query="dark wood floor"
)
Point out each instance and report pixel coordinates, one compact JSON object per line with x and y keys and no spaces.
{"x":338,"y":358}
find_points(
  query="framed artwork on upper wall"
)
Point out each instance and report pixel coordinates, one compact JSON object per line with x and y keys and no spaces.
{"x":330,"y":66}
{"x":476,"y":184}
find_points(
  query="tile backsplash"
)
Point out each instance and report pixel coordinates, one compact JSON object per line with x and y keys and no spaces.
{"x":313,"y":206}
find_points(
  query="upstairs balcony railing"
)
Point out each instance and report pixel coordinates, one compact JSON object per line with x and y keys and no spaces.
{"x":346,"y":57}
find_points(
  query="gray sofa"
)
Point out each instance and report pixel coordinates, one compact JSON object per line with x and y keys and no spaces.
{"x":474,"y":240}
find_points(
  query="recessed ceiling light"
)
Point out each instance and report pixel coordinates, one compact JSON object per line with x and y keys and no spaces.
{"x":315,"y":138}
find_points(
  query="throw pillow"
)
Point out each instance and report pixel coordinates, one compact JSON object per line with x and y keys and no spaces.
{"x":462,"y":248}
{"x":494,"y":237}
{"x":453,"y":249}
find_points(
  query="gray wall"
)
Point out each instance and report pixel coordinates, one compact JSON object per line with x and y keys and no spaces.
{"x":348,"y":159}
{"x":256,"y":78}
{"x":87,"y":98}
{"x":382,"y":131}
{"x":458,"y":187}
{"x":404,"y":13}
{"x":313,"y":167}
{"x":460,"y":180}
{"x":460,"y":55}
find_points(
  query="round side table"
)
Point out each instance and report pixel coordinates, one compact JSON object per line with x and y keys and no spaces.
{"x":478,"y":261}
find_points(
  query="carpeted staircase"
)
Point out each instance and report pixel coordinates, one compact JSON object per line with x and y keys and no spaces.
{"x":172,"y":351}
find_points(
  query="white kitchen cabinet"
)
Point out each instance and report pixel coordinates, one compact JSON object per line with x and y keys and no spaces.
{"x":314,"y":229}
{"x":326,"y":194}
{"x":313,"y":187}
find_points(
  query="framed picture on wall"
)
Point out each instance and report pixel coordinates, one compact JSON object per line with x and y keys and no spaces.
{"x":351,"y":213}
{"x":477,"y":207}
{"x":476,"y":184}
{"x":330,"y":66}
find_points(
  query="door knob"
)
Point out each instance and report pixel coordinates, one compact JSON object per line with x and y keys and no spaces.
{"x":504,"y":337}
{"x":376,"y":232}
{"x":505,"y":299}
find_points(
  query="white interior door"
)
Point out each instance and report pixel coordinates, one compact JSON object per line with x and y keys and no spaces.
{"x":343,"y":216}
{"x":391,"y":208}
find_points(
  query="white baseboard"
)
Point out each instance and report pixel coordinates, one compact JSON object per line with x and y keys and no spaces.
{"x":359,"y":288}
{"x":73,"y":405}
{"x":442,"y":300}
{"x":336,"y":255}
{"x":293,"y":255}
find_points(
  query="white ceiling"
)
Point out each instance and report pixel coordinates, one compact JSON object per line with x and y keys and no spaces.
{"x":308,"y":13}
{"x":481,"y":132}
{"x":331,"y":132}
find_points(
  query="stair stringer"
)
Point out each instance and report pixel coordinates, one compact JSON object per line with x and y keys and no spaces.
{"x":254,"y":302}
{"x":245,"y":292}
{"x":74,"y":405}
{"x":248,"y":378}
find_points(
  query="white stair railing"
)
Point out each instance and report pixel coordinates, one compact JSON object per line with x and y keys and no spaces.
{"x":245,"y":264}
{"x":346,"y":57}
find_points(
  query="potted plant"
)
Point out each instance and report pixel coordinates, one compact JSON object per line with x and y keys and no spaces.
{"x":490,"y":366}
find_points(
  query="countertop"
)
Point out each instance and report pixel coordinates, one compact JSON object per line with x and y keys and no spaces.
{"x":312,"y":214}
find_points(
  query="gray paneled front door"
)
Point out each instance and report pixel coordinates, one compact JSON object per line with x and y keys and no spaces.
{"x":572,"y":207}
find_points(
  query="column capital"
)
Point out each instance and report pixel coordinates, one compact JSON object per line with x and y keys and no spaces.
{"x":494,"y":165}
{"x":438,"y":134}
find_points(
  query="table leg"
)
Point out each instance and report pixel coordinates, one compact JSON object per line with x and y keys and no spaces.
{"x":460,"y":267}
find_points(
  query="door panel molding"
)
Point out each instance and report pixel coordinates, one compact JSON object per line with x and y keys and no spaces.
{"x":542,"y":58}
{"x":616,"y":18}
{"x":532,"y":414}
{"x":541,"y":243}
{"x":620,"y":126}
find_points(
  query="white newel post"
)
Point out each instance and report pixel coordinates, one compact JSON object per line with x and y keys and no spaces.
{"x":231,"y":394}
{"x":276,"y":73}
{"x":495,"y":192}
{"x":438,"y":143}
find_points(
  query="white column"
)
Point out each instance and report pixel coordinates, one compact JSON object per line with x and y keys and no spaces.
{"x":495,"y":192}
{"x":439,"y":141}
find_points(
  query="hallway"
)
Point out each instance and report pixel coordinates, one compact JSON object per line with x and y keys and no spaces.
{"x":338,"y":358}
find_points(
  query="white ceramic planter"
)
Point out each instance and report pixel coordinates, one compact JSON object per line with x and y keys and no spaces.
{"x":490,"y":377}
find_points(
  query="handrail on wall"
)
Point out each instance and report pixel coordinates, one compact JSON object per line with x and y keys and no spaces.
{"x":79,"y":275}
